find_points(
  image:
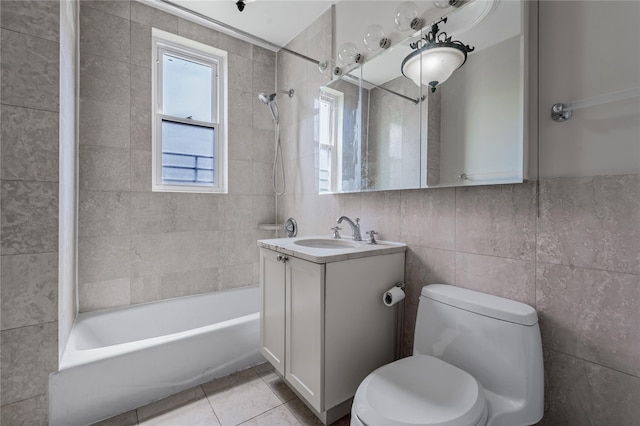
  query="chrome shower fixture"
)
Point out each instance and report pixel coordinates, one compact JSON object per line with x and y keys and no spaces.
{"x":267,"y":99}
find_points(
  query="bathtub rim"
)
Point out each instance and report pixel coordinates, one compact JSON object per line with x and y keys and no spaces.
{"x":74,"y":357}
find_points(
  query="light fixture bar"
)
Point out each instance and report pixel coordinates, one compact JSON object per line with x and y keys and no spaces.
{"x":352,"y":79}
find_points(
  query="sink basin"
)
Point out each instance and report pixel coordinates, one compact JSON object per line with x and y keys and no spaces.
{"x":326,"y":243}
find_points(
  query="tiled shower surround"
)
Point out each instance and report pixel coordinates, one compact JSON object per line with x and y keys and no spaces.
{"x":577,"y":261}
{"x":136,"y":245}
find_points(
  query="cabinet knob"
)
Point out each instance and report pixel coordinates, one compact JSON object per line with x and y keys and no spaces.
{"x":281,"y":258}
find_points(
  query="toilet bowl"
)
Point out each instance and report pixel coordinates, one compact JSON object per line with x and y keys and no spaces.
{"x":477,"y":361}
{"x":395,"y":394}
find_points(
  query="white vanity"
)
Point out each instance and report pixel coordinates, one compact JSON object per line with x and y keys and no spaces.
{"x":323,"y":323}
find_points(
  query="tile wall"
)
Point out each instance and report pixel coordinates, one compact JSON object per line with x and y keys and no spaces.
{"x":577,"y":261}
{"x":29,"y":197}
{"x":135,"y":245}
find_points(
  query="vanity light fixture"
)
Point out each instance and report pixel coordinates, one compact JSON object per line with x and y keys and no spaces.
{"x":375,"y":38}
{"x":328,"y":68}
{"x":406,"y":17}
{"x":435,"y":58}
{"x":348,"y":54}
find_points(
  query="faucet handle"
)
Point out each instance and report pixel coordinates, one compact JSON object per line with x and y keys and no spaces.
{"x":336,"y":232}
{"x":372,"y":238}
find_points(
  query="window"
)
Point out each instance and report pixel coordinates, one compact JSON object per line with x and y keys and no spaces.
{"x":189,"y":101}
{"x":329,"y":136}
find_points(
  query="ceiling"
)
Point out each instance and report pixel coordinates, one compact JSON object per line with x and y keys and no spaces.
{"x":277,"y":22}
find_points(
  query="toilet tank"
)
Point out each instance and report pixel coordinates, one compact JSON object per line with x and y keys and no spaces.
{"x":496,"y":340}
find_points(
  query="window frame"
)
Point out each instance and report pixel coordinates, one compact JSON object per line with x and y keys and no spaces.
{"x":164,"y":42}
{"x":336,"y":100}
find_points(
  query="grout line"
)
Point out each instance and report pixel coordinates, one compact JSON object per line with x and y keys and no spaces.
{"x":592,"y":362}
{"x":28,"y":107}
{"x":210,"y":406}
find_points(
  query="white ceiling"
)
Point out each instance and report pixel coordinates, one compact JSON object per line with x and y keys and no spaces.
{"x":275,"y":21}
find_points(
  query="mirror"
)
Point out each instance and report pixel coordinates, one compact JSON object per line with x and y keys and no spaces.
{"x":380,"y":131}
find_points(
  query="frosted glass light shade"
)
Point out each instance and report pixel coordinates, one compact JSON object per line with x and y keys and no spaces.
{"x":437,"y":65}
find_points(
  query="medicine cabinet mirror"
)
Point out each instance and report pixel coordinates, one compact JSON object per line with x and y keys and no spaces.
{"x":378,"y":130}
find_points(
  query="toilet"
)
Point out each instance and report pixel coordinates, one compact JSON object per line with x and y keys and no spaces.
{"x":477,"y":361}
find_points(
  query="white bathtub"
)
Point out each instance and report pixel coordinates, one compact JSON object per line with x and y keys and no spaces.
{"x":120,"y":359}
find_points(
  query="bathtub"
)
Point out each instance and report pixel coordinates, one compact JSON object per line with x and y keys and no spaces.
{"x":120,"y":359}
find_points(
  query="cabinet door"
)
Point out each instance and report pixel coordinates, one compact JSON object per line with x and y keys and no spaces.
{"x":272,"y":329}
{"x":305,"y":329}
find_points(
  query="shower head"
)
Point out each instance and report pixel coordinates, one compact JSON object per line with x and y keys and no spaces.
{"x":266,"y":99}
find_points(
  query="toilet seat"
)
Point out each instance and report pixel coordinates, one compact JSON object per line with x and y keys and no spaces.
{"x":420,"y":390}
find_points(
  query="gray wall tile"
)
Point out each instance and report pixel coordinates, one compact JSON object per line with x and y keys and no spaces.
{"x":29,"y":71}
{"x":153,"y":17}
{"x":236,"y":46}
{"x":103,"y":258}
{"x":29,"y":144}
{"x":591,"y":314}
{"x":510,"y":278}
{"x":104,"y":168}
{"x":265,"y":56}
{"x":426,"y":266}
{"x":497,"y":220}
{"x":140,"y":108}
{"x":29,"y":217}
{"x":104,"y":34}
{"x":140,"y":170}
{"x":103,"y":124}
{"x":240,"y":142}
{"x":119,"y":8}
{"x":153,"y":212}
{"x":581,"y":393}
{"x":429,"y":218}
{"x":36,"y":18}
{"x":32,"y":411}
{"x":104,"y":80}
{"x":198,"y":33}
{"x":29,"y":289}
{"x":104,"y":294}
{"x":236,"y":212}
{"x":152,"y":286}
{"x":591,"y":222}
{"x":241,"y":78}
{"x":141,"y":45}
{"x":381,"y":212}
{"x":104,"y":213}
{"x":28,"y":355}
{"x":175,"y":252}
{"x":241,"y":107}
{"x":197,"y":212}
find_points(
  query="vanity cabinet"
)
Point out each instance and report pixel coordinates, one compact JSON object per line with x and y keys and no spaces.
{"x":324,"y":326}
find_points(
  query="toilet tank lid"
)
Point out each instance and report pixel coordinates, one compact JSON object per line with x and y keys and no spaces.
{"x":481,"y":303}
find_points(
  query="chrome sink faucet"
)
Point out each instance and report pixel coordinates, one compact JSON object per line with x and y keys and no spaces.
{"x":355,"y":227}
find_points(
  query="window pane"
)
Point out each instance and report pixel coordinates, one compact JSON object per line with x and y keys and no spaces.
{"x":187,"y":154}
{"x":186,"y":88}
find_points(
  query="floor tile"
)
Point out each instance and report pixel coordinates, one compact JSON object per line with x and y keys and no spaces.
{"x":276,"y":417}
{"x":242,"y":402}
{"x":130,"y":418}
{"x":194,"y":413}
{"x":230,"y":380}
{"x":278,"y":386}
{"x":302,"y":413}
{"x":170,"y":403}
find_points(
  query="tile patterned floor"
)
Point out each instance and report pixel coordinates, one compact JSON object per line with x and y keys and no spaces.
{"x":253,"y":397}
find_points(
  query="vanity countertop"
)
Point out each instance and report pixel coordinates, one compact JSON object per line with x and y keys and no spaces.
{"x":303,"y":248}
